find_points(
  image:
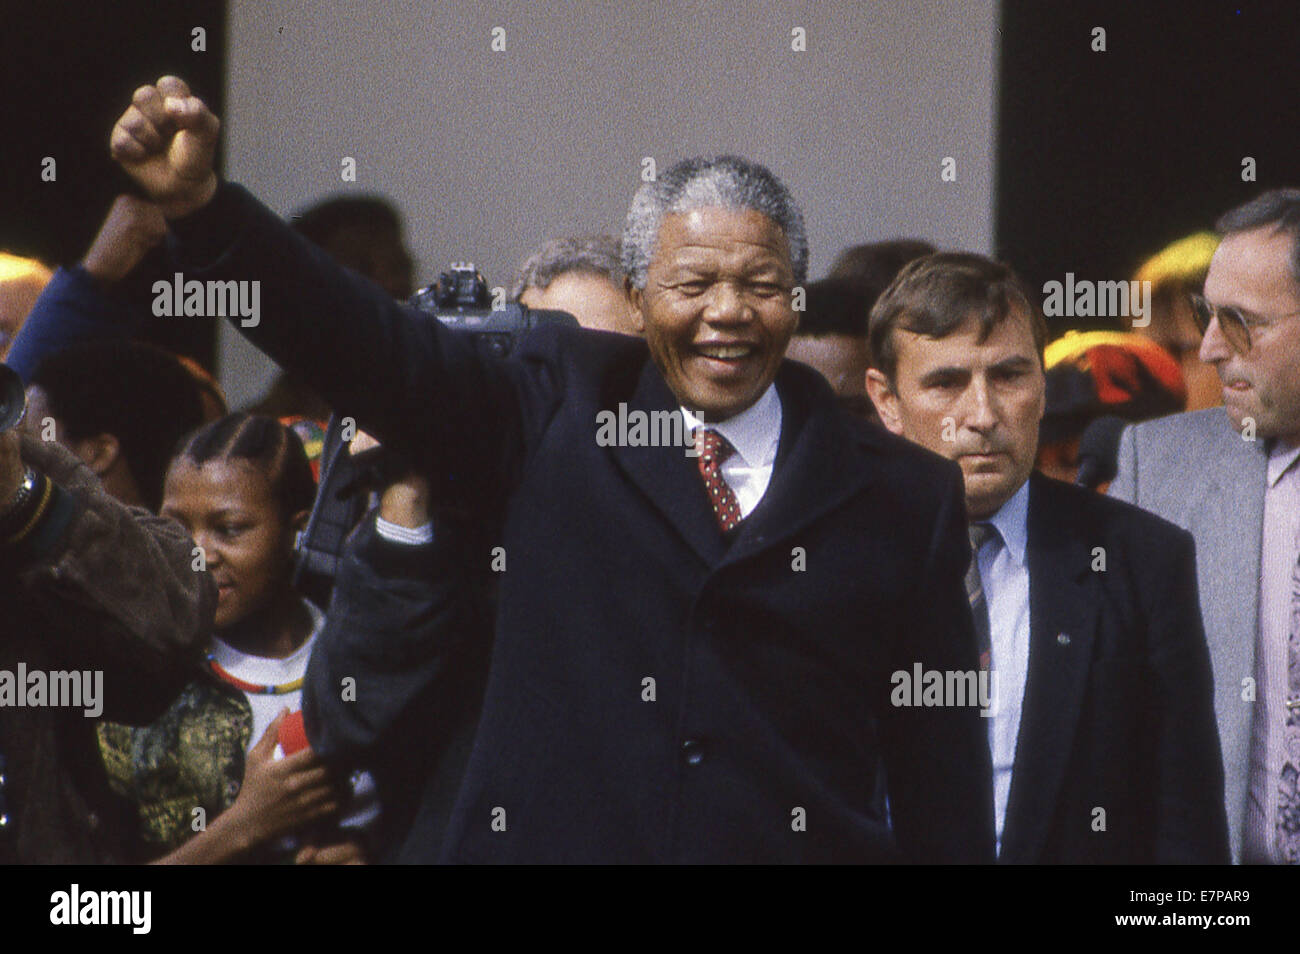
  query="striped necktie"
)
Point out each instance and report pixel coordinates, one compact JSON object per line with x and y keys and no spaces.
{"x":980,"y":533}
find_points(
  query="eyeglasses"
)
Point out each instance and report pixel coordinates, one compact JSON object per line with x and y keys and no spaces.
{"x":1234,"y":325}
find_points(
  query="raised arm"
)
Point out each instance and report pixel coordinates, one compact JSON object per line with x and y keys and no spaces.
{"x":417,"y":387}
{"x":79,"y":303}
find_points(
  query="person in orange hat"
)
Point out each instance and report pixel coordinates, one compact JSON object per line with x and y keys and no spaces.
{"x":1091,"y":374}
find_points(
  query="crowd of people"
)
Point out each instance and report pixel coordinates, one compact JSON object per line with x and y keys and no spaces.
{"x":929,"y":579}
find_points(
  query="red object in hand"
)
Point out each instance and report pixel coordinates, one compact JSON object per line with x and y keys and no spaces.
{"x":293,"y":734}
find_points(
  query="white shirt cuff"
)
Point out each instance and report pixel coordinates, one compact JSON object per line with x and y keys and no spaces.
{"x":397,"y":534}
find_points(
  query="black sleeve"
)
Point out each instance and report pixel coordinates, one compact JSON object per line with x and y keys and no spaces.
{"x":937,"y":760}
{"x":394,"y":636}
{"x":399,"y":373}
{"x":74,"y":307}
{"x":1191,"y":823}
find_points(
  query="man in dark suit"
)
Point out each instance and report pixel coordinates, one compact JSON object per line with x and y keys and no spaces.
{"x":1102,"y":730}
{"x":694,"y":644}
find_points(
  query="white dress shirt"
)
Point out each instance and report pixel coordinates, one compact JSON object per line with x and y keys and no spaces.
{"x":755,"y":433}
{"x":397,"y":533}
{"x":1277,"y":557}
{"x":1004,"y":575}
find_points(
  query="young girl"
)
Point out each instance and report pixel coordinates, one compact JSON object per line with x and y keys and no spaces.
{"x":205,"y":777}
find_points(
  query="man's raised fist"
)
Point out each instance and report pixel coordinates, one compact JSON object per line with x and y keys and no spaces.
{"x":166,"y":141}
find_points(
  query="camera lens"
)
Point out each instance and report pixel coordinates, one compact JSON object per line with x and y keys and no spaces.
{"x":13,"y":402}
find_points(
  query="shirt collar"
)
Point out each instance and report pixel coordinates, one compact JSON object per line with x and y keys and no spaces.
{"x":754,"y":432}
{"x":1012,"y":523}
{"x":1281,"y":458}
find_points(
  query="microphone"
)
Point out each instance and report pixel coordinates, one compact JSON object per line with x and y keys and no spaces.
{"x":1099,"y":451}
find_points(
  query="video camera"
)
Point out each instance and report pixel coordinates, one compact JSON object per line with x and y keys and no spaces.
{"x":461,"y":301}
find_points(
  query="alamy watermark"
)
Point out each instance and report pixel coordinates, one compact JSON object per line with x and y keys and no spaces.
{"x":59,"y":689}
{"x":210,"y":299}
{"x":638,"y":428}
{"x":945,"y":688}
{"x":77,"y":907}
{"x":1089,"y":299}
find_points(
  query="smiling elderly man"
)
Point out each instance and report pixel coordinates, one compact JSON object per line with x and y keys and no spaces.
{"x":693,"y":654}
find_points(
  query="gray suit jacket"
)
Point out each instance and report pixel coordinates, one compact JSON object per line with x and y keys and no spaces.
{"x":1195,"y":470}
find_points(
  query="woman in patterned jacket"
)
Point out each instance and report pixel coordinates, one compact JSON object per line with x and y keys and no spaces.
{"x":205,"y":777}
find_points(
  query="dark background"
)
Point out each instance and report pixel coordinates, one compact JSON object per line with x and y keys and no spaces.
{"x":1103,"y":158}
{"x":70,"y":69}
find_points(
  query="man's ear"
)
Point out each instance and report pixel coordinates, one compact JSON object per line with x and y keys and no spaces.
{"x":99,"y":453}
{"x":636,"y":298}
{"x":885,"y":399}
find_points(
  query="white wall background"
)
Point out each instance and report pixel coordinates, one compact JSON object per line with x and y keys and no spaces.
{"x":489,"y":153}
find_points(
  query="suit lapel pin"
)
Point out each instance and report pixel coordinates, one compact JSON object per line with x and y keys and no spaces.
{"x":1063,"y":639}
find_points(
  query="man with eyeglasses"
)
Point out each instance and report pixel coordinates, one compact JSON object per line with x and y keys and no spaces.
{"x":1233,"y":480}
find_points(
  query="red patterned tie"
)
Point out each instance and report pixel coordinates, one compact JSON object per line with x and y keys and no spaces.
{"x":714,"y":449}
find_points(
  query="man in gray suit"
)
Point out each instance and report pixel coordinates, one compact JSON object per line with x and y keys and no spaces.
{"x":1232,"y":479}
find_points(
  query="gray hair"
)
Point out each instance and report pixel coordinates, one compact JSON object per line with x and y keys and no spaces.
{"x":1279,"y":208}
{"x":728,"y":182}
{"x":593,"y":254}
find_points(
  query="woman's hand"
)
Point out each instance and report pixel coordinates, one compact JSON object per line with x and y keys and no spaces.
{"x":279,"y":796}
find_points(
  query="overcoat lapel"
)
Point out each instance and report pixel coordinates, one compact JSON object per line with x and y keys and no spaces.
{"x":820,"y":463}
{"x":1063,"y":597}
{"x":670,"y":479}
